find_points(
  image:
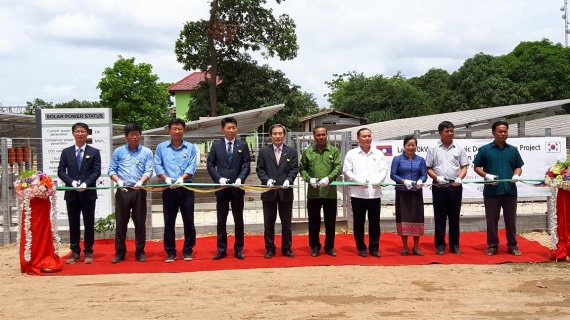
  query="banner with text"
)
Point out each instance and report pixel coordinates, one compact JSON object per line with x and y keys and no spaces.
{"x":538,"y":155}
{"x":56,"y":135}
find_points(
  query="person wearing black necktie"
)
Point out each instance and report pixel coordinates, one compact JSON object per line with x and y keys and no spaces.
{"x":80,"y":167}
{"x":229,"y":164}
{"x":277,"y":165}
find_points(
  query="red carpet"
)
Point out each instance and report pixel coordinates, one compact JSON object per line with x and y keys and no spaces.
{"x":473,"y":245}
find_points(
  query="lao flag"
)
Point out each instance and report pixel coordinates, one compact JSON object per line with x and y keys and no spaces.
{"x":387,"y":150}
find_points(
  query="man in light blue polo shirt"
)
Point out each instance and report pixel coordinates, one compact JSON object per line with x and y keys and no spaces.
{"x":175,"y":164}
{"x":131,"y":166}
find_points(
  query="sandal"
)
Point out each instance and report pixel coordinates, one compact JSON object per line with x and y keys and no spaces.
{"x":418,"y":252}
{"x":405,"y":251}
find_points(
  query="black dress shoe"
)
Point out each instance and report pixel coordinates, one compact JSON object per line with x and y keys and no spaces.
{"x":73,"y":258}
{"x":239,"y":255}
{"x":514,"y":251}
{"x":375,"y":253}
{"x":220,"y":255}
{"x":117,"y":258}
{"x":362,"y":253}
{"x":289,"y":253}
{"x":455,"y":250}
{"x":269,"y":254}
{"x":314,"y":252}
{"x":491,"y":251}
{"x":141,"y":258}
{"x":331,"y":252}
{"x":88,"y":258}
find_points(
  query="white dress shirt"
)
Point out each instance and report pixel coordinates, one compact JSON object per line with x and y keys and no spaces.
{"x":370,"y":167}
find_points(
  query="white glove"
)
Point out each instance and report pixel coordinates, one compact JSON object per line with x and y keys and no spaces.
{"x":238,"y":182}
{"x":324,"y":182}
{"x":441,"y":179}
{"x":223,"y":181}
{"x":515,"y":178}
{"x":75,"y":183}
{"x":489,"y":176}
{"x":408,"y":184}
{"x":419,"y":184}
{"x":138,"y":184}
{"x":179,"y":181}
{"x":120,"y":183}
{"x":168,"y":180}
{"x":458,"y":180}
{"x":271,"y":182}
{"x":82,"y":187}
{"x":313,"y":182}
{"x":286,"y":183}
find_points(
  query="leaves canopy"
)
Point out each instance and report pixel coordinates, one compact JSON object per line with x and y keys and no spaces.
{"x":134,"y":94}
{"x":533,"y":71}
{"x":247,"y":85}
{"x":234,"y":27}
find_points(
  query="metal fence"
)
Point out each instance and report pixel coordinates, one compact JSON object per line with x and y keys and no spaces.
{"x":25,"y":154}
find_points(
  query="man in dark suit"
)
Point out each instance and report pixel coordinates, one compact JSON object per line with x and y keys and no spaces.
{"x":80,"y":167}
{"x":277,"y":164}
{"x":228,"y":163}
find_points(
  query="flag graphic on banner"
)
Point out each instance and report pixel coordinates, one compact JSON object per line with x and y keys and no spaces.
{"x":386,"y":149}
{"x":553,"y":147}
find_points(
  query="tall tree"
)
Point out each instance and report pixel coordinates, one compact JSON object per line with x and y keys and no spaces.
{"x":134,"y":93}
{"x":246,"y":85}
{"x":234,"y":26}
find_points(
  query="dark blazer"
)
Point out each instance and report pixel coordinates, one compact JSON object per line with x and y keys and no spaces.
{"x":89,"y":172}
{"x":267,"y":168}
{"x":219,"y":165}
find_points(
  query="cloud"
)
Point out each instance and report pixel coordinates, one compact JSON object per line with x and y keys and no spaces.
{"x":63,"y":46}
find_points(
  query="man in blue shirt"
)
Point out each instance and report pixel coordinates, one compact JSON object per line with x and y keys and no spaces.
{"x":175,"y":164}
{"x":499,"y":160}
{"x":131,"y":166}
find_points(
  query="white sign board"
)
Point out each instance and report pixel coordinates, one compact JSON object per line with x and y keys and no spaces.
{"x":538,"y":155}
{"x":56,"y":135}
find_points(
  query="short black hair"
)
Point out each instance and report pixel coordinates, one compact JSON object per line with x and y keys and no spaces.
{"x":132,"y":127}
{"x":80,"y":125}
{"x":360,"y":130}
{"x":445,"y":125}
{"x":408,"y":138}
{"x":228,"y":120}
{"x":177,"y":121}
{"x":278,"y":125}
{"x":319,"y":127}
{"x":499,"y":123}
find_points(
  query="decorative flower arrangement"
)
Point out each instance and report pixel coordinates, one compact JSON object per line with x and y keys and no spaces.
{"x":35,"y":184}
{"x":559,"y":175}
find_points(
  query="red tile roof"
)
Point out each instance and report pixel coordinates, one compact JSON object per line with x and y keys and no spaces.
{"x":190,"y":82}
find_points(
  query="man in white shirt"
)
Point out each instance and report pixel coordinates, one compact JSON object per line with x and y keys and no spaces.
{"x":366,"y":166}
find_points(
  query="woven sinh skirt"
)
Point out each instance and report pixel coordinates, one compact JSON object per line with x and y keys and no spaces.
{"x":409,"y":213}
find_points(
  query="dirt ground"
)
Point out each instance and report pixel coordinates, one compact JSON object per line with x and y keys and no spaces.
{"x":508,"y":291}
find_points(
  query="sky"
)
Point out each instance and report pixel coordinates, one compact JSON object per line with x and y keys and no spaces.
{"x":56,"y":50}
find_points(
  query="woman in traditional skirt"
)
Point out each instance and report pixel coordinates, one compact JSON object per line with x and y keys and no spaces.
{"x":409,"y":170}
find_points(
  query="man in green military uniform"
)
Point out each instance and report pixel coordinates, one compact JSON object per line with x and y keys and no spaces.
{"x":320,"y":165}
